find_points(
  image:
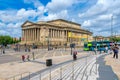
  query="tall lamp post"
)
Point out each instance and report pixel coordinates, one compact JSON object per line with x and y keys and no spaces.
{"x":111,"y":26}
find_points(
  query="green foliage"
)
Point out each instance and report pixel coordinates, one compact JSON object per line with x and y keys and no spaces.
{"x":115,"y":39}
{"x":7,"y":40}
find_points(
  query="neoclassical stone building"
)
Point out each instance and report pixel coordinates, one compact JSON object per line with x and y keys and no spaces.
{"x":55,"y":32}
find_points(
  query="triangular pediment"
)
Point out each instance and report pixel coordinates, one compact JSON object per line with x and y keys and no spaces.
{"x":27,"y":23}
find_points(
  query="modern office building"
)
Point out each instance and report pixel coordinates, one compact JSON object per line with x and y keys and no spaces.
{"x":54,"y":32}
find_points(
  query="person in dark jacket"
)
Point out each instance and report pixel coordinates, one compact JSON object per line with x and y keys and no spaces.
{"x":115,"y":50}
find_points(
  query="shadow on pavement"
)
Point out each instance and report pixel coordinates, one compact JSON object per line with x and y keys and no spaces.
{"x":105,"y":71}
{"x":38,"y":62}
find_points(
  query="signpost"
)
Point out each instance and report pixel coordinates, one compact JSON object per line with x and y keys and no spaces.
{"x":72,"y":45}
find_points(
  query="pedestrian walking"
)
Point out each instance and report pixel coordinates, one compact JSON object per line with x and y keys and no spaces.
{"x":23,"y":58}
{"x":106,"y":49}
{"x":115,"y":50}
{"x":95,"y":50}
{"x":28,"y":57}
{"x":75,"y":55}
{"x":111,"y":51}
{"x":29,"y":49}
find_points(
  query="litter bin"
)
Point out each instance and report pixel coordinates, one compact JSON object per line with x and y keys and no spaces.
{"x":49,"y":62}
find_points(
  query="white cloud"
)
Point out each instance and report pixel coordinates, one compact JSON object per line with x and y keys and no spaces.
{"x":98,"y":17}
{"x":36,"y":3}
{"x":86,"y":23}
{"x":56,"y":5}
{"x":22,"y":13}
{"x":12,"y":19}
{"x":16,"y":25}
{"x":62,"y":15}
{"x":2,"y":24}
{"x":4,"y":32}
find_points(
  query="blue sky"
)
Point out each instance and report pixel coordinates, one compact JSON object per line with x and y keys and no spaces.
{"x":93,"y":15}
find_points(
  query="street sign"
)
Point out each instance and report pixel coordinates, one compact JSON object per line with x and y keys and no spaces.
{"x":72,"y":45}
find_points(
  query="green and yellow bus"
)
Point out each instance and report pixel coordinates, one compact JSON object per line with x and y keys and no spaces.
{"x":100,"y":45}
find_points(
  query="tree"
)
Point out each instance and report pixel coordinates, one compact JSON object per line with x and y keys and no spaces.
{"x":4,"y":40}
{"x":115,"y":39}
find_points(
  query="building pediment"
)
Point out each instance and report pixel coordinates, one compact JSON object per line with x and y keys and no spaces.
{"x":27,"y":23}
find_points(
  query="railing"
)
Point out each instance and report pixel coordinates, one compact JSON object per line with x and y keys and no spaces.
{"x":66,"y":72}
{"x":20,"y":76}
{"x":82,"y":69}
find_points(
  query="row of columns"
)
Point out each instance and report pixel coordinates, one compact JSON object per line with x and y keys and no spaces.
{"x":31,"y":34}
{"x":54,"y":33}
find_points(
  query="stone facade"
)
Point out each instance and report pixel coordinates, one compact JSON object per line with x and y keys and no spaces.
{"x":55,"y":32}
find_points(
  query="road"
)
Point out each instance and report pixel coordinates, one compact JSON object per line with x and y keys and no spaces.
{"x":8,"y":58}
{"x":12,"y":56}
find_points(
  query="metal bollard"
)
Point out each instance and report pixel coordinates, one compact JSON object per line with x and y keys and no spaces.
{"x":72,"y":70}
{"x":29,"y":75}
{"x":50,"y":74}
{"x":14,"y":78}
{"x":21,"y":76}
{"x":40,"y":77}
{"x":96,"y":64}
{"x":61,"y":73}
{"x":86,"y":66}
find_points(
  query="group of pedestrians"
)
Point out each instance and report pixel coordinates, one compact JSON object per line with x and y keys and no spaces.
{"x":113,"y":49}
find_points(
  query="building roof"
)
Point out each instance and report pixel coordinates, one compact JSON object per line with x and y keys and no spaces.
{"x":75,"y":26}
{"x":64,"y":21}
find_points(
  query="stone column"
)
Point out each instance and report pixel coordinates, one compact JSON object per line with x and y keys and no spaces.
{"x":51,"y":33}
{"x":28,"y":35}
{"x":58,"y":33}
{"x":62,"y":34}
{"x":39,"y":33}
{"x":31,"y":35}
{"x":55,"y":33}
{"x":25,"y":34}
{"x":35,"y":34}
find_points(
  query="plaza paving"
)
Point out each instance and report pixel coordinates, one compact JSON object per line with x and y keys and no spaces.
{"x":38,"y":65}
{"x":9,"y":67}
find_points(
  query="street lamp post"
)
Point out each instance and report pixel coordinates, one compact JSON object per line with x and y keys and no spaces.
{"x":111,"y":26}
